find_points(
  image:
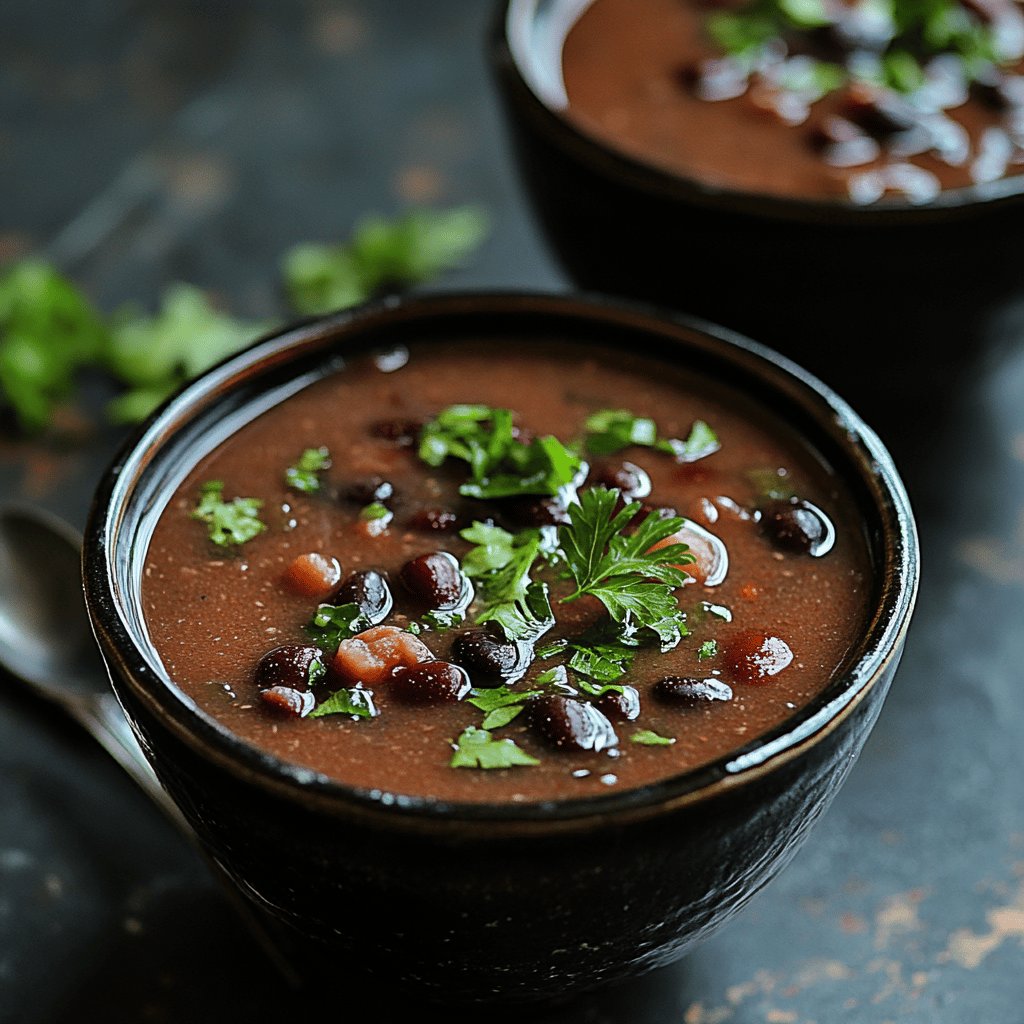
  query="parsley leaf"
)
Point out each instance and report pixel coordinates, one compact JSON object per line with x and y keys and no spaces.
{"x":501,"y":561}
{"x":356,"y":702}
{"x":611,"y":430}
{"x":524,"y":621}
{"x":708,"y":649}
{"x":647,"y":738}
{"x":304,"y":475}
{"x":48,"y":332}
{"x":231,"y":522}
{"x":333,"y":623}
{"x":381,"y":254}
{"x":154,"y":356}
{"x":500,"y":465}
{"x":476,"y":748}
{"x":634,"y":583}
{"x":500,"y":704}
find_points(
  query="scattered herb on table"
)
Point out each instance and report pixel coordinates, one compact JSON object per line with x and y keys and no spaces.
{"x":229,"y":522}
{"x":305,"y":474}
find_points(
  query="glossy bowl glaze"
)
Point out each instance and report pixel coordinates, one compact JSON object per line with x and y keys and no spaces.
{"x":512,"y":901}
{"x":807,"y":275}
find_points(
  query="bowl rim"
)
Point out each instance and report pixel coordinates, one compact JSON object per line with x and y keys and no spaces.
{"x":658,"y":181}
{"x":767,"y":752}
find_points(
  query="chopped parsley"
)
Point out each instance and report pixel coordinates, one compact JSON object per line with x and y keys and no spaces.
{"x":333,"y":623}
{"x":355,"y":702}
{"x":611,"y":430}
{"x":305,"y":474}
{"x":381,"y":254}
{"x":648,"y":738}
{"x":634,"y":583}
{"x":500,"y":465}
{"x":524,"y":620}
{"x":708,"y":649}
{"x":500,"y":704}
{"x":229,"y":522}
{"x":477,"y":748}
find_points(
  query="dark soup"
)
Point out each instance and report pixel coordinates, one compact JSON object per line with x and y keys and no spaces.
{"x":806,"y":98}
{"x":479,"y":573}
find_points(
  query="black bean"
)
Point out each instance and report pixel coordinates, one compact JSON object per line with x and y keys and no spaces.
{"x":490,"y":660}
{"x":691,"y":692}
{"x":622,"y":707}
{"x":297,"y":703}
{"x":369,"y":490}
{"x":571,"y":724}
{"x":797,"y":525}
{"x":431,"y":682}
{"x":370,"y":591}
{"x":437,"y":581}
{"x":288,"y":666}
{"x":632,"y":482}
{"x":402,"y":431}
{"x":434,"y":520}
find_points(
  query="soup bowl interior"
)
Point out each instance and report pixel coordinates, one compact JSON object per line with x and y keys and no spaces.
{"x":486,"y":900}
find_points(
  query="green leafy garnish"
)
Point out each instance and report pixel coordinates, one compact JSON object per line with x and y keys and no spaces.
{"x":600,"y":689}
{"x":604,"y":661}
{"x":154,"y":356}
{"x":333,"y":623}
{"x":381,"y":254}
{"x":500,"y":704}
{"x":305,"y":474}
{"x":611,"y":430}
{"x":48,"y":331}
{"x":476,"y":748}
{"x":229,"y":522}
{"x":648,"y":738}
{"x":356,"y":702}
{"x":500,"y":562}
{"x":375,"y":510}
{"x":525,"y":620}
{"x":500,"y":465}
{"x":708,"y":649}
{"x":634,"y":583}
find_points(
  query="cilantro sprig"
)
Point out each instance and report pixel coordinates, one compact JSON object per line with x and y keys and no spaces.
{"x":305,"y":474}
{"x":634,"y":583}
{"x":477,"y":748}
{"x":333,"y":623}
{"x":500,"y":465}
{"x":611,"y":430}
{"x":355,"y":702}
{"x":229,"y":522}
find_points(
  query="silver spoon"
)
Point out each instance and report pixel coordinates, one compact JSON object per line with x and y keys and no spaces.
{"x":46,"y":642}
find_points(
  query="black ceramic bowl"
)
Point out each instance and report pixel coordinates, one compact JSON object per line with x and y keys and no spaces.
{"x":814,"y":277}
{"x":461,"y":902}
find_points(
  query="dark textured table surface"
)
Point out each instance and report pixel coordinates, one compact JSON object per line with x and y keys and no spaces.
{"x":142,"y":143}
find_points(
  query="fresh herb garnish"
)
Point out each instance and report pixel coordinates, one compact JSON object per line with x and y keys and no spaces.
{"x":648,"y":738}
{"x":525,"y":620}
{"x":229,"y":522}
{"x":381,"y":254}
{"x":333,"y":623}
{"x":500,"y":562}
{"x":500,"y":465}
{"x":708,"y":649}
{"x":375,"y":510}
{"x":612,"y":430}
{"x":476,"y":748}
{"x":356,"y":702}
{"x":604,"y":660}
{"x":305,"y":474}
{"x":634,"y":583}
{"x":500,"y":704}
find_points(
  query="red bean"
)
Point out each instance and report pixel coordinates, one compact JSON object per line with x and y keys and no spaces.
{"x":569,"y":724}
{"x":437,"y":581}
{"x":756,"y":657}
{"x":431,"y":682}
{"x":370,"y":591}
{"x":288,"y":666}
{"x":797,"y":526}
{"x":490,"y":660}
{"x":296,"y":703}
{"x":620,"y":707}
{"x":691,"y":692}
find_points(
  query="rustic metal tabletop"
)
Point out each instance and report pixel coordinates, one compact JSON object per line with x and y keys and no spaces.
{"x":149,"y":141}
